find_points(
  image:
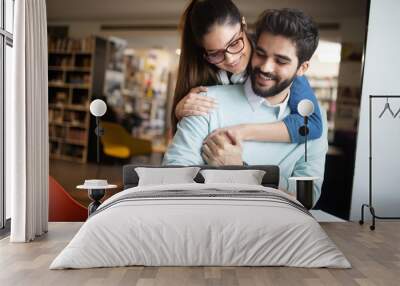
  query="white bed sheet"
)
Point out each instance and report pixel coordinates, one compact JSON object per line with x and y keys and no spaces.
{"x":200,"y":231}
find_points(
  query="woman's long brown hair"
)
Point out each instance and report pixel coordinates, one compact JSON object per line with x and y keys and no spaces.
{"x":194,"y":70}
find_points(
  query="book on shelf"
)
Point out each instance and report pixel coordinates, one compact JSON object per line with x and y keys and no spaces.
{"x":71,"y":45}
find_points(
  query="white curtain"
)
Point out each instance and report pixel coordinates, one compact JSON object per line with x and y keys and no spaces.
{"x":27,"y":145}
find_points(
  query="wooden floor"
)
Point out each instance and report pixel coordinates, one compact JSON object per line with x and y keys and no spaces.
{"x":374,"y":255}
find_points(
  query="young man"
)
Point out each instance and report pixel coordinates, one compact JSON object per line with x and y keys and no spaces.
{"x":285,"y":41}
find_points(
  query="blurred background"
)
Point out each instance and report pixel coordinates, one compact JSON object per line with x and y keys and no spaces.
{"x":126,"y":52}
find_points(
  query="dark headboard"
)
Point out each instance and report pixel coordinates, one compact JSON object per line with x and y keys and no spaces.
{"x":270,"y":179}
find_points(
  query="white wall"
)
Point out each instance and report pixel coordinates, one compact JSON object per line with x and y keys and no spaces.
{"x":381,"y":77}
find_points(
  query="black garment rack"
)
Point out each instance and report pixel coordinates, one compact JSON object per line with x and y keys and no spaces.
{"x":369,"y":205}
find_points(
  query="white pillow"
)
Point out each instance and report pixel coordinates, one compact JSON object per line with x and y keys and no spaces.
{"x":166,"y":176}
{"x":249,"y":177}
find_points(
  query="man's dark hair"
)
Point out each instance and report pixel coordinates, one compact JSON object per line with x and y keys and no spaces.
{"x":292,"y":24}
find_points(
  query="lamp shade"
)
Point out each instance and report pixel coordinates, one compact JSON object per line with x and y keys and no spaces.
{"x":305,"y":107}
{"x":98,"y":107}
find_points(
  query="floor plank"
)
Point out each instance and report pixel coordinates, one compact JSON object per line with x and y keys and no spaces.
{"x":375,"y":257}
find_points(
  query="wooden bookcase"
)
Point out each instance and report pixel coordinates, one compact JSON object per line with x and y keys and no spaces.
{"x":76,"y":77}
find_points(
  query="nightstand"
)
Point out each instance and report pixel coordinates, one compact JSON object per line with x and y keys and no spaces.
{"x":96,"y":191}
{"x":304,"y":190}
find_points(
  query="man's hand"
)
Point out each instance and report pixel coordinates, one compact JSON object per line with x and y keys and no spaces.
{"x":223,"y":148}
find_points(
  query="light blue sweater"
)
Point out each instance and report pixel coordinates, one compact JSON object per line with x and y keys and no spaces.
{"x":234,"y":108}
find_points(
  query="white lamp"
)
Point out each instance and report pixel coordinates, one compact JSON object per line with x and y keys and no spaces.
{"x":305,"y":109}
{"x":96,"y":188}
{"x":98,"y":108}
{"x":304,"y":185}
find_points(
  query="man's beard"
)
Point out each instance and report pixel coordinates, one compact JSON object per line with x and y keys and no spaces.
{"x":274,"y":90}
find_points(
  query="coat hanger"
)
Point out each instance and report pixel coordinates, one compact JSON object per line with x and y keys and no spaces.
{"x":387,"y":107}
{"x":397,"y":113}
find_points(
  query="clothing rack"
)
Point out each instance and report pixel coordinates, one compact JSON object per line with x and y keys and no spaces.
{"x":370,"y":205}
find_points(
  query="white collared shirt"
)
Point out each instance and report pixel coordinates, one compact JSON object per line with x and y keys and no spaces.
{"x":236,"y":107}
{"x":256,"y":101}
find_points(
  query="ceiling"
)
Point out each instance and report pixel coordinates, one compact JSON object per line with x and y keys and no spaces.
{"x":168,"y":11}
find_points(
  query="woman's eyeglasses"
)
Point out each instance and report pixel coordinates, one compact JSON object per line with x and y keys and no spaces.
{"x":218,"y":57}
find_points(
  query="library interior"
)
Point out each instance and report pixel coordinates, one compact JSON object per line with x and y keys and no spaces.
{"x":128,"y":56}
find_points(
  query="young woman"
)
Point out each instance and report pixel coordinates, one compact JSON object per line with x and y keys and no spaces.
{"x":216,"y":49}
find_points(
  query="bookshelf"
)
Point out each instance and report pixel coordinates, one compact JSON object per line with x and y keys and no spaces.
{"x":325,"y":89}
{"x":76,"y":77}
{"x":146,"y":81}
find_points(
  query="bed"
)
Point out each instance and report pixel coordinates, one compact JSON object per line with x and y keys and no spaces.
{"x":198,"y":224}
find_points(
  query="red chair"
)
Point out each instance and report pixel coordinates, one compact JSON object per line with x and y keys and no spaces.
{"x":63,"y":207}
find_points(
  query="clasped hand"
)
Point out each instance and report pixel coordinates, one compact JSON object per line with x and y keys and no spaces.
{"x":223,"y":147}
